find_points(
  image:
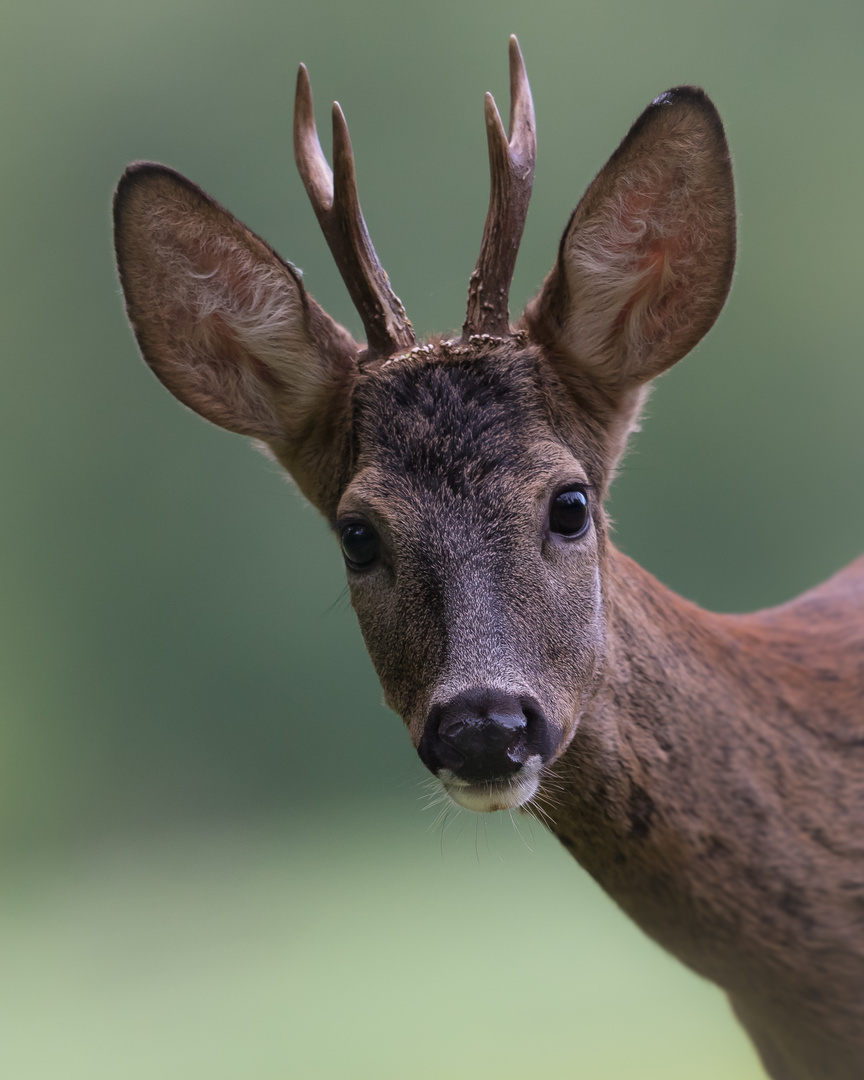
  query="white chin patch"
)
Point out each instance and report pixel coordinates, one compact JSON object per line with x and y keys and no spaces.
{"x":486,"y":796}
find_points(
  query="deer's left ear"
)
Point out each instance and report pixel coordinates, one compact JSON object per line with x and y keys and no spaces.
{"x":646,"y":261}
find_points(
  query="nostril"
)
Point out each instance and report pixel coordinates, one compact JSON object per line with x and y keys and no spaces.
{"x":483,"y":750}
{"x":478,"y":735}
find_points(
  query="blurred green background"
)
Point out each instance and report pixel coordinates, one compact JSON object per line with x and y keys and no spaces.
{"x":215,"y":861}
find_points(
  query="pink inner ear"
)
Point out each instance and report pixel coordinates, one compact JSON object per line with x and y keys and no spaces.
{"x":653,"y":252}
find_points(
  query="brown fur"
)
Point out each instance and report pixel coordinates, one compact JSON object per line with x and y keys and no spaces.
{"x":708,"y":770}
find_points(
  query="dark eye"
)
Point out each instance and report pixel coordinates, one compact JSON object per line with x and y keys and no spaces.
{"x":568,"y":514}
{"x":359,"y":545}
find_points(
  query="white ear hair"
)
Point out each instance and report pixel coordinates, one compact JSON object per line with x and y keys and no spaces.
{"x":260,"y":306}
{"x":253,"y":312}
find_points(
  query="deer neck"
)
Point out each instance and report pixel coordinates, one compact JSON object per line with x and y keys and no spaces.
{"x":665,"y":802}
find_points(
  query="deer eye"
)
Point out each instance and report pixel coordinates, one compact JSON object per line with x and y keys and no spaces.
{"x":568,"y":514}
{"x":359,"y":545}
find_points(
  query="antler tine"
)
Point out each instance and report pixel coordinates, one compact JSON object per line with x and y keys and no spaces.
{"x":511,"y":169}
{"x":333,"y":195}
{"x":311,"y":163}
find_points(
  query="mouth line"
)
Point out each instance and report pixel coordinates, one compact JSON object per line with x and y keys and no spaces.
{"x":486,"y":796}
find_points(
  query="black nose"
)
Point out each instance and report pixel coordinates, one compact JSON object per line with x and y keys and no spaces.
{"x":484,"y":734}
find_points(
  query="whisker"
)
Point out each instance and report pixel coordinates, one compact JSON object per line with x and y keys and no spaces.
{"x":339,"y":602}
{"x":518,"y":832}
{"x":440,"y":819}
{"x":534,"y":809}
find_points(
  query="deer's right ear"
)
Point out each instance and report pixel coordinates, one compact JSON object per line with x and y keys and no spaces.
{"x":646,"y":261}
{"x":226,"y":324}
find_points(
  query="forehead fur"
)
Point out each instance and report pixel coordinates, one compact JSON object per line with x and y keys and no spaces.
{"x":450,"y":417}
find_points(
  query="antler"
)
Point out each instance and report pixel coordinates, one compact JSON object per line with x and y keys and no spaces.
{"x":511,"y":167}
{"x":338,"y":211}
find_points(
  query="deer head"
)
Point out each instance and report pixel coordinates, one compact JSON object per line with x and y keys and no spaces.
{"x":464,"y":478}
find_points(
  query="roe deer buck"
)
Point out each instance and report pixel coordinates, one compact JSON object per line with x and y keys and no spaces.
{"x":707,"y":770}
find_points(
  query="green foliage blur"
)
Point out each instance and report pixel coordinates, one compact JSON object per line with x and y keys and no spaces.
{"x":179,"y":664}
